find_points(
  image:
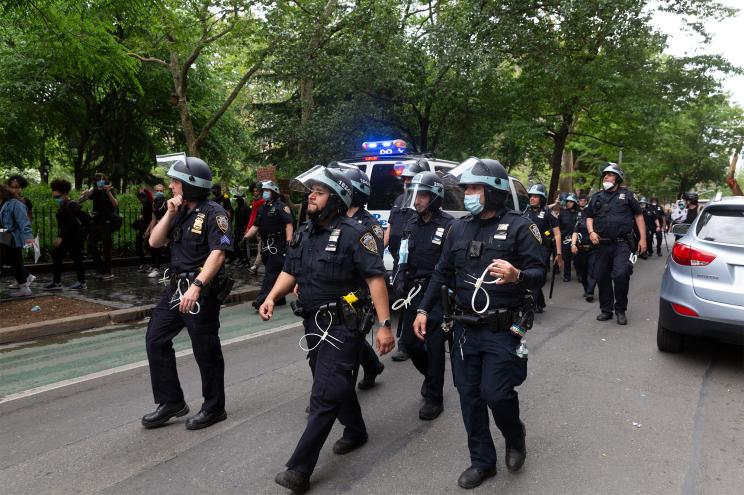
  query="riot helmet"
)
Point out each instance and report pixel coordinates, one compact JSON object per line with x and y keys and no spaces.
{"x":339,"y":185}
{"x":539,"y":190}
{"x":491,"y":175}
{"x":692,"y":197}
{"x":643,"y":200}
{"x":193,"y":173}
{"x":360,"y":186}
{"x":615,"y":169}
{"x":425,"y":183}
{"x":420,"y":165}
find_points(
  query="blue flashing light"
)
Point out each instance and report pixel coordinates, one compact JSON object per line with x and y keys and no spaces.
{"x":386,"y":148}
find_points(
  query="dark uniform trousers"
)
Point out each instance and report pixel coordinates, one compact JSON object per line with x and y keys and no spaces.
{"x":612,"y":269}
{"x":333,"y":394}
{"x":650,"y":234}
{"x":429,"y":356}
{"x":538,"y":294}
{"x":273,"y":264}
{"x":369,"y":360}
{"x":75,"y":249}
{"x":584,"y":262}
{"x":485,"y":376}
{"x":165,"y":324}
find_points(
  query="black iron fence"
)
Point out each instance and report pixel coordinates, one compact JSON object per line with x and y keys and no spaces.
{"x":44,"y":225}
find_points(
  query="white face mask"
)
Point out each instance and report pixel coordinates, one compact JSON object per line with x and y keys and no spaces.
{"x":607,"y":185}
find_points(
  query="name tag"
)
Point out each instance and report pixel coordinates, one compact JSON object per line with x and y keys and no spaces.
{"x":196,"y":228}
{"x":541,"y":215}
{"x":437,"y":239}
{"x":333,"y":241}
{"x":501,"y":232}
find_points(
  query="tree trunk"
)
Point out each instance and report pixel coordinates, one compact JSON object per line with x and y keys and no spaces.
{"x":43,"y":162}
{"x":556,"y":159}
{"x":192,"y":146}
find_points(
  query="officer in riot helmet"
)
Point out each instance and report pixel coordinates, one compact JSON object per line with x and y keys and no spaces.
{"x":398,"y":218}
{"x":652,"y":222}
{"x":199,"y":235}
{"x":274,"y":222}
{"x":334,"y":261}
{"x":550,"y":231}
{"x":611,"y":216}
{"x":661,"y":217}
{"x":566,"y":223}
{"x":490,"y":260}
{"x":424,"y":236}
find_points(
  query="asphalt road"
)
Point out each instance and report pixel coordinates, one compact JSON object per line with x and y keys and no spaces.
{"x":605,"y":413}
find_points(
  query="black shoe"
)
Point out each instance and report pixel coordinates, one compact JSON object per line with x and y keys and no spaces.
{"x":516,"y":453}
{"x":344,"y":445}
{"x":368,"y":381}
{"x":202,"y":419}
{"x":400,"y":355}
{"x":658,"y":254}
{"x":539,"y":309}
{"x":430,"y":411}
{"x":643,"y":256}
{"x":472,"y":477}
{"x":621,"y":318}
{"x":567,"y":279}
{"x":604,"y":316}
{"x":293,"y":480}
{"x":163,"y":413}
{"x":589,"y":297}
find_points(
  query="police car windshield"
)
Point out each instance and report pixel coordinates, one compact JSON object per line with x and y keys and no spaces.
{"x":386,"y":185}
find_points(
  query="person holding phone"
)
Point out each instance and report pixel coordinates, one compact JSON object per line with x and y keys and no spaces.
{"x":100,"y":238}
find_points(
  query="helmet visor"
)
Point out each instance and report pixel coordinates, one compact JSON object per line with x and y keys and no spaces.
{"x":468,"y":176}
{"x":167,"y":161}
{"x":423,"y":194}
{"x":318,"y":175}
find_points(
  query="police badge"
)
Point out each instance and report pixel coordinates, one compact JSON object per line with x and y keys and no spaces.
{"x":222,"y":223}
{"x":535,"y":232}
{"x":369,"y":243}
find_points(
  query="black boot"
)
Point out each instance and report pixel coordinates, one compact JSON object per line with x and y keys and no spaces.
{"x":516,"y":453}
{"x":368,"y":381}
{"x":163,"y":413}
{"x":346,"y":445}
{"x":621,"y":318}
{"x":293,"y":480}
{"x":430,"y":410}
{"x":604,"y":316}
{"x":202,"y":419}
{"x":472,"y":477}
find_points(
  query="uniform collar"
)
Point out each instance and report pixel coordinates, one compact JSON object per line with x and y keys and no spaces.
{"x":329,"y":226}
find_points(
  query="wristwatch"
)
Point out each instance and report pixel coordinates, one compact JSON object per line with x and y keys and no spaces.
{"x":386,"y":323}
{"x":520,"y":276}
{"x":198,"y":283}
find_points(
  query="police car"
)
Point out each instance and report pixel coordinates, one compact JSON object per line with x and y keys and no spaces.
{"x":384,"y":162}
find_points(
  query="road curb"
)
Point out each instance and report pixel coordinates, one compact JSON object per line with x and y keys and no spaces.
{"x":79,"y":323}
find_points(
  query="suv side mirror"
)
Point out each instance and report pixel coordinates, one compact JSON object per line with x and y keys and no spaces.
{"x":680,"y":229}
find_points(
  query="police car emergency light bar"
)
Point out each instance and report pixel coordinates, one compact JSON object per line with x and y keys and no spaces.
{"x":386,"y":148}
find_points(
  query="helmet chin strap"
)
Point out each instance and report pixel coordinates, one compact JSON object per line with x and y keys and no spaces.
{"x":333,"y":206}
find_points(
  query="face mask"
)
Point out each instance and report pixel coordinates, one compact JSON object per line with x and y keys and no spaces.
{"x":59,"y":200}
{"x":266,"y":195}
{"x":101,"y":183}
{"x":680,"y":205}
{"x":159,"y":194}
{"x":607,"y":185}
{"x":473,"y":204}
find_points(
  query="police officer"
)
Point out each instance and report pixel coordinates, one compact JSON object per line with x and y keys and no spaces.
{"x":566,"y":222}
{"x":490,"y":259}
{"x":327,"y":259}
{"x":274,"y":222}
{"x":652,"y":223}
{"x":199,"y":236}
{"x":397,"y":219}
{"x":550,"y":231}
{"x":423,"y":238}
{"x":691,"y":201}
{"x":659,"y":227}
{"x":584,"y":253}
{"x":611,"y":215}
{"x":360,"y":195}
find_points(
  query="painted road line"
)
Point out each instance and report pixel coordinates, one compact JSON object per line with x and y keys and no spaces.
{"x":133,"y":366}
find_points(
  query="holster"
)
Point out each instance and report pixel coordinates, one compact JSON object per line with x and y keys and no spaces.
{"x":497,"y":320}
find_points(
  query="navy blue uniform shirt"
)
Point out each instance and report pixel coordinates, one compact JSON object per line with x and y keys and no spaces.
{"x":508,"y":236}
{"x":271,"y":221}
{"x":195,"y":234}
{"x":613,"y":212}
{"x":331,"y":261}
{"x":581,"y":229}
{"x":370,"y":223}
{"x":566,"y":221}
{"x":397,"y":220}
{"x":425,"y":242}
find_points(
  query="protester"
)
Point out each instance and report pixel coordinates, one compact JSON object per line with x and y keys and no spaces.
{"x":159,"y":208}
{"x":17,"y":227}
{"x":73,"y":223}
{"x":144,"y":196}
{"x":104,"y":210}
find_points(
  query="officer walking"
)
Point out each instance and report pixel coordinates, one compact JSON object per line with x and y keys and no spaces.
{"x":584,"y":253}
{"x":360,"y":195}
{"x":611,"y":215}
{"x":397,"y":219}
{"x":550,"y":231}
{"x":490,"y":259}
{"x":566,"y":222}
{"x":652,"y":222}
{"x":661,"y":217}
{"x":328,"y":258}
{"x":423,"y":238}
{"x":274,"y":222}
{"x":199,"y":236}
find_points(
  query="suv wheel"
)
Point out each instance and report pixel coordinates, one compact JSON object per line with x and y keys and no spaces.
{"x":668,"y":341}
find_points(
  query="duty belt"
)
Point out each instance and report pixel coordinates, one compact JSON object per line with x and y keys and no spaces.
{"x":497,"y":320}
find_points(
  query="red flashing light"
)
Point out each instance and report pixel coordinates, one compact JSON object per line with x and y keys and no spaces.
{"x":370,"y":158}
{"x":684,"y":310}
{"x":684,"y":255}
{"x":399,"y":143}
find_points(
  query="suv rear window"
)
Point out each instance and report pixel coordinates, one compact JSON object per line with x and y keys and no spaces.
{"x":719,"y":225}
{"x":385,"y":186}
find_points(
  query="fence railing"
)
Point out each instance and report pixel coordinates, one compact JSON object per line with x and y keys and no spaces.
{"x":44,"y":225}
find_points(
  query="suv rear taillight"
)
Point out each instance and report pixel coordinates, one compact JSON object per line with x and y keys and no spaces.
{"x":682,"y":254}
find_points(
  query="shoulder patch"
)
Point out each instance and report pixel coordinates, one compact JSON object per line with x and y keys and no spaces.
{"x":368,"y":241}
{"x":286,"y":209}
{"x":222,"y":223}
{"x":377,"y":230}
{"x":536,"y":233}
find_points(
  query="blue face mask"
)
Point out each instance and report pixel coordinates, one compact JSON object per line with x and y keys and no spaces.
{"x":473,"y":204}
{"x":159,"y":194}
{"x":59,"y":200}
{"x":266,"y":195}
{"x":101,"y":183}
